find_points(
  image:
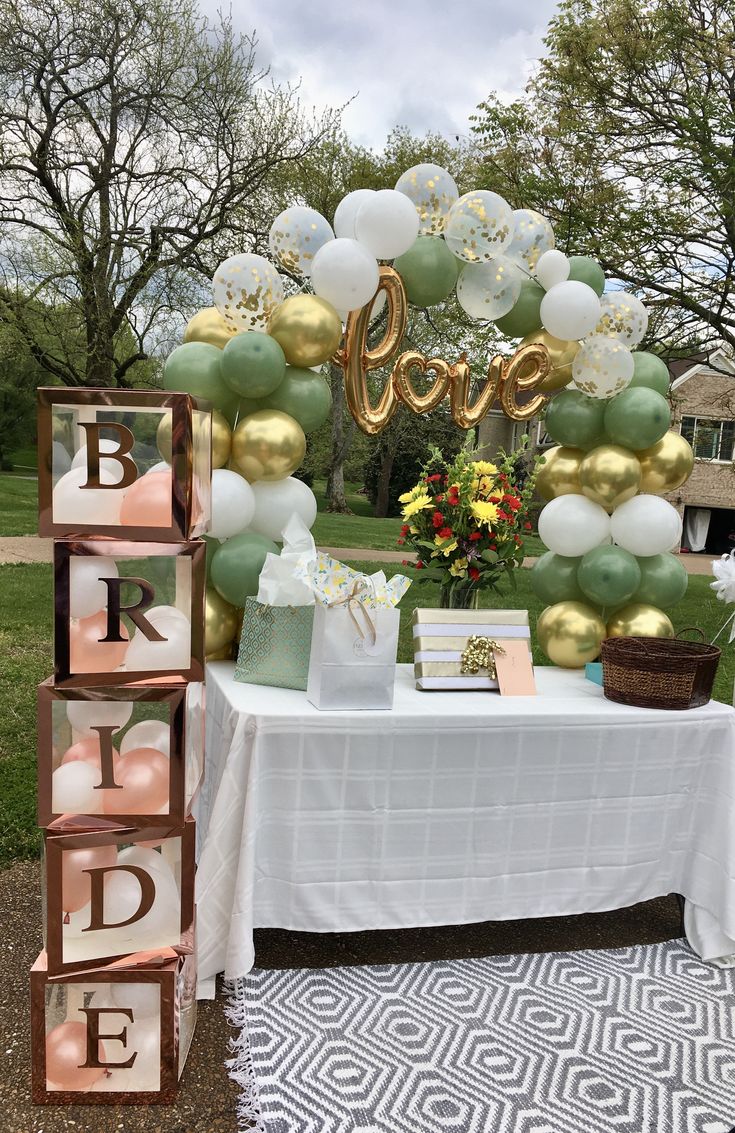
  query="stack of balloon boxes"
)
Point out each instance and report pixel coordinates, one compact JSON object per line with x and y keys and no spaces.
{"x":120,"y":742}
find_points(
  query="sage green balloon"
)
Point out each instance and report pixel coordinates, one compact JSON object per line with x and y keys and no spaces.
{"x":650,"y":371}
{"x":525,"y":316}
{"x":586,"y":270}
{"x":429,"y":271}
{"x":253,"y":364}
{"x":554,"y":579}
{"x":664,"y":581}
{"x":574,"y":419}
{"x":210,"y":546}
{"x":608,"y":576}
{"x":637,"y":418}
{"x":241,"y":407}
{"x":196,"y":368}
{"x":304,"y":395}
{"x":236,"y":566}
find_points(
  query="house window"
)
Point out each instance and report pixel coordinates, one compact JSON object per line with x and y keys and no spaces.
{"x":710,"y":440}
{"x":543,"y":440}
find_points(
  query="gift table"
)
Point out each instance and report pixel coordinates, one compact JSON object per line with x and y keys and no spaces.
{"x":457,"y":807}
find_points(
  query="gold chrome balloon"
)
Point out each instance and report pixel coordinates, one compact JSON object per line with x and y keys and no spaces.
{"x":221,"y":439}
{"x":223,"y":654}
{"x":610,"y":475}
{"x":220,"y":622}
{"x":666,"y":465}
{"x":356,"y":360}
{"x":559,"y":473}
{"x":208,"y":325}
{"x":562,"y":355}
{"x":527,"y":369}
{"x":268,"y":445}
{"x":570,"y":634}
{"x":640,"y":620}
{"x":307,"y":328}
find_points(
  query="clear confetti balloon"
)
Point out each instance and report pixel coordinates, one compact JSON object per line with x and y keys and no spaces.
{"x":532,"y":236}
{"x":479,"y":226}
{"x":623,"y":316}
{"x":296,"y":236}
{"x":489,"y":290}
{"x":247,"y":289}
{"x":433,"y":192}
{"x":602,"y":367}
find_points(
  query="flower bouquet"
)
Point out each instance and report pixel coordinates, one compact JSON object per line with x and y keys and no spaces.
{"x":465,"y":520}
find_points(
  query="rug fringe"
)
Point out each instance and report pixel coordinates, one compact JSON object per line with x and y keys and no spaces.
{"x":240,"y":1067}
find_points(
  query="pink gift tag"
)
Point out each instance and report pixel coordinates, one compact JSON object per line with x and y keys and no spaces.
{"x":515,"y":669}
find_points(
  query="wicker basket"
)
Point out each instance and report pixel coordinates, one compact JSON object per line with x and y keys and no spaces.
{"x":658,"y":672}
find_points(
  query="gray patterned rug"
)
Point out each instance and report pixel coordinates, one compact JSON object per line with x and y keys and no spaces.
{"x":635,"y":1040}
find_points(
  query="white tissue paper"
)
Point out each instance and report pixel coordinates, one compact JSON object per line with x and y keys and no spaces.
{"x":278,"y":585}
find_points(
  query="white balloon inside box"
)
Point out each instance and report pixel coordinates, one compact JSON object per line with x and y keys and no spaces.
{"x":77,"y":506}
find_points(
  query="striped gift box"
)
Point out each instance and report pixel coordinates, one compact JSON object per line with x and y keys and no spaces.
{"x":441,"y":636}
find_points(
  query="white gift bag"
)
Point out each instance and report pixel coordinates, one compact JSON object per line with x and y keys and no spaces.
{"x":353,"y":656}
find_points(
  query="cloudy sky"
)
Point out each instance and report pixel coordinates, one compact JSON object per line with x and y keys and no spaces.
{"x":423,"y":65}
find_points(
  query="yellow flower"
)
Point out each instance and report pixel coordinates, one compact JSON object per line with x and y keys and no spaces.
{"x":444,"y":550}
{"x":408,"y":496}
{"x":458,"y":568}
{"x":420,"y":503}
{"x":484,"y":512}
{"x":483,"y":486}
{"x":484,"y":468}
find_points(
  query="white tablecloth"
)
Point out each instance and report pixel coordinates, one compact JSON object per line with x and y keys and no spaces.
{"x":457,"y":807}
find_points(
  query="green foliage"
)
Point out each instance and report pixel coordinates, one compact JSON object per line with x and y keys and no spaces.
{"x":400,"y":451}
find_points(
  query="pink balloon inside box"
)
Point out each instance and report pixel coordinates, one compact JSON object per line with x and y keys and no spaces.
{"x":126,"y":464}
{"x":118,"y":1035}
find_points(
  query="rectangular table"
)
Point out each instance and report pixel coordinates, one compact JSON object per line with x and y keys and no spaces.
{"x":457,"y":807}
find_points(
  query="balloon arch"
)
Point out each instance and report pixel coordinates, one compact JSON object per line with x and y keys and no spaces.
{"x":257,"y":353}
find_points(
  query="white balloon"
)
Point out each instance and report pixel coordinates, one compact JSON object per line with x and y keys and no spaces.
{"x":296,"y":236}
{"x":572,"y":525}
{"x":122,"y":900}
{"x":60,"y":461}
{"x":623,"y":316}
{"x":232,"y":504}
{"x":479,"y":226}
{"x":143,"y":1039}
{"x":347,"y":210}
{"x":553,"y":267}
{"x":80,"y":456}
{"x":78,"y":507}
{"x":84,"y":714}
{"x":172,"y":653}
{"x":570,"y":310}
{"x":247,"y":289}
{"x":433,"y":192}
{"x":147,"y":733}
{"x":144,"y":1000}
{"x":345,"y":274}
{"x":87,"y":592}
{"x":602,"y":366}
{"x":148,"y":859}
{"x":490,"y":289}
{"x":646,"y":525}
{"x":276,"y":501}
{"x":387,"y":224}
{"x":532,"y":236}
{"x":162,"y":466}
{"x":73,"y":789}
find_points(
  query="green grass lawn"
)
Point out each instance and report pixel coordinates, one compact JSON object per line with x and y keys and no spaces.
{"x":18,"y":506}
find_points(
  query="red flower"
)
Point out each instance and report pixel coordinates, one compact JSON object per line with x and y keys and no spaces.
{"x":445,"y":533}
{"x":494,"y":499}
{"x":493,"y":546}
{"x":419,"y":565}
{"x":512,"y":502}
{"x":473,"y":573}
{"x":400,"y":542}
{"x":475,"y":536}
{"x":439,"y":499}
{"x":452,"y":497}
{"x":437,"y":519}
{"x":517,"y":538}
{"x":433,"y":479}
{"x":527,"y":526}
{"x":404,"y":529}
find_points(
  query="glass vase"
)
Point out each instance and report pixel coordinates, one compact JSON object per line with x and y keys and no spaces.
{"x":453,"y":597}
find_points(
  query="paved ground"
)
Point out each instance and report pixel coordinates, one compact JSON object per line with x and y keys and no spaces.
{"x":207,"y":1098}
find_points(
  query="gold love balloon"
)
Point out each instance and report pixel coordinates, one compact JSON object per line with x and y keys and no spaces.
{"x":666,"y":465}
{"x":307,"y":328}
{"x":221,"y":439}
{"x":640,"y":620}
{"x":570,"y":634}
{"x":268,"y":445}
{"x":559,"y":473}
{"x":208,"y":325}
{"x":220,"y":622}
{"x":561,"y":355}
{"x":402,"y":384}
{"x":609,"y":475}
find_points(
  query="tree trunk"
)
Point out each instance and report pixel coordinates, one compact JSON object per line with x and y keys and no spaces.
{"x":382,"y":498}
{"x":336,"y":499}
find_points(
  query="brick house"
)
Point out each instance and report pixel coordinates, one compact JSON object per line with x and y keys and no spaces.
{"x":703,"y":401}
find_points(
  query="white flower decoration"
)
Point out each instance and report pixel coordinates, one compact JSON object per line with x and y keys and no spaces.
{"x":724,"y":572}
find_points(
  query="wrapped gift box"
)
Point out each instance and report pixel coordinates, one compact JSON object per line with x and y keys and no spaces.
{"x":440,"y":637}
{"x":128,"y":1029}
{"x":84,"y":736}
{"x":108,"y":894}
{"x":94,"y":445}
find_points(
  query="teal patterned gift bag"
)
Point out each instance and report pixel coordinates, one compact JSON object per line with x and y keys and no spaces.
{"x":275,"y":644}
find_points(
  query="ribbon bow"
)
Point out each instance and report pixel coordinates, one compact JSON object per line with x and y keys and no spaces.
{"x":479,"y":653}
{"x":353,"y":602}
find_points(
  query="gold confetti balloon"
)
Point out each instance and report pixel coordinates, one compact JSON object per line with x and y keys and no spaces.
{"x":622,"y":316}
{"x":221,"y":439}
{"x":208,"y":326}
{"x":561,"y":353}
{"x":559,"y":473}
{"x":640,"y":620}
{"x":479,"y":226}
{"x":602,"y":367}
{"x":666,"y":465}
{"x":609,"y":475}
{"x":247,"y":289}
{"x":268,"y":445}
{"x":433,"y":192}
{"x":296,"y":236}
{"x":220,"y":622}
{"x":307,"y":328}
{"x":570,"y":634}
{"x":532,"y":236}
